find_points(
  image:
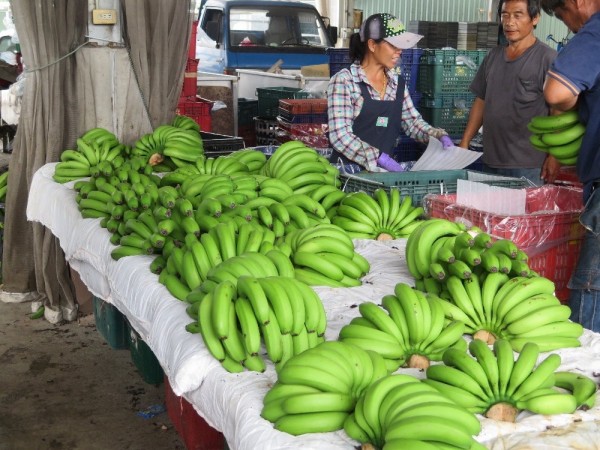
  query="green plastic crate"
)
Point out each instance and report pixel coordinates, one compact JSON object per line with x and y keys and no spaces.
{"x":268,"y":99}
{"x":448,"y":70}
{"x":452,"y":119}
{"x":247,"y":110}
{"x":461,"y":100}
{"x":420,"y":183}
{"x":111,"y":324}
{"x":144,"y":359}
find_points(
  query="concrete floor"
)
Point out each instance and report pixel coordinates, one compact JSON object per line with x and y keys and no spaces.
{"x":63,"y":388}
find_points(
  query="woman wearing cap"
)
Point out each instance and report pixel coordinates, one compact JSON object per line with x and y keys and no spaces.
{"x":369,"y":105}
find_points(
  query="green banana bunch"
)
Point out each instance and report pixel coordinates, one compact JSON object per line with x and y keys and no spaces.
{"x":329,"y":197}
{"x":400,"y":411}
{"x":471,"y":253}
{"x":253,"y":159}
{"x":324,"y":255}
{"x":493,"y":383}
{"x":126,"y":212}
{"x":409,"y":330}
{"x":285,"y":214}
{"x":317,"y":389}
{"x":124,"y":199}
{"x":525,"y":310}
{"x":301,"y":167}
{"x":223,"y":251}
{"x":421,"y":241}
{"x":518,"y":309}
{"x":280,"y":313}
{"x":94,"y":147}
{"x":186,"y":123}
{"x":223,"y":164}
{"x":382,"y":216}
{"x":3,"y":186}
{"x":179,"y":146}
{"x":559,"y":135}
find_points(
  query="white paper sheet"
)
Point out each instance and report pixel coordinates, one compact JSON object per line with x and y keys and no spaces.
{"x":436,"y":157}
{"x":494,"y":199}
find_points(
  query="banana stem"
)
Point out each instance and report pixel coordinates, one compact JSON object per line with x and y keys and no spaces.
{"x":502,"y":411}
{"x":485,"y":336}
{"x":418,"y":362}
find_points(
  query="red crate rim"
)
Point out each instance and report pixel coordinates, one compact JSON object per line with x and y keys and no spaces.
{"x":304,"y":106}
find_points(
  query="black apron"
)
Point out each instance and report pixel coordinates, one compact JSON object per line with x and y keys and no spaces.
{"x":379,"y":122}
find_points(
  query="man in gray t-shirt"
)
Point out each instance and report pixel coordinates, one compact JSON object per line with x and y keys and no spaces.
{"x":509,"y":91}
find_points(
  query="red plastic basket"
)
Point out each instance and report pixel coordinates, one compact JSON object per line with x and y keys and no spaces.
{"x":549,"y":232}
{"x":568,"y":175}
{"x":174,"y":405}
{"x":192,"y":428}
{"x":193,"y":36}
{"x":304,"y":106}
{"x":198,"y":109}
{"x":190,"y":78}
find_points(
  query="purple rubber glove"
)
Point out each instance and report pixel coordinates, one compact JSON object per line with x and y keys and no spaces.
{"x":446,"y":141}
{"x":388,"y":163}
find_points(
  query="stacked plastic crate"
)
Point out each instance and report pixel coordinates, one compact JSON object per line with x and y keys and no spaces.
{"x":189,"y":103}
{"x":339,"y":58}
{"x":444,"y":79}
{"x":265,"y":123}
{"x":247,"y":111}
{"x":407,"y":149}
{"x":304,"y":120}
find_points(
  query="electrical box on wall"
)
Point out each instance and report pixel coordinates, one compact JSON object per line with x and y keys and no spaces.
{"x":104,"y":16}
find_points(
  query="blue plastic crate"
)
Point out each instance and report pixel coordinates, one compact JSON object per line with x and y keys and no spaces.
{"x":339,"y":58}
{"x":410,"y":67}
{"x":408,"y":149}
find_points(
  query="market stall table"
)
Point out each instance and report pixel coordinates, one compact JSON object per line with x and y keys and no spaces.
{"x":231,"y":403}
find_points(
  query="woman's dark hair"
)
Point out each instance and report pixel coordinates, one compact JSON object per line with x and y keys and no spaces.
{"x":533,"y":7}
{"x":358,"y":49}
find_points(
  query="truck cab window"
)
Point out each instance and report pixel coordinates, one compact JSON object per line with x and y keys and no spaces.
{"x":212,"y":25}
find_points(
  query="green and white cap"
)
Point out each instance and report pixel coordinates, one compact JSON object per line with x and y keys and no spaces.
{"x":387,"y":27}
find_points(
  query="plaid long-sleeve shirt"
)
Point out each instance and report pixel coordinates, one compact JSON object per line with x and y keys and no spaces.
{"x":345,"y":101}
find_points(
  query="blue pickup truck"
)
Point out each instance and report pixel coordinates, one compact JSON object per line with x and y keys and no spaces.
{"x":256,"y":34}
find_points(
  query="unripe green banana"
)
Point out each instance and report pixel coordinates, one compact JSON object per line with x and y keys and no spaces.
{"x":556,"y":403}
{"x":319,"y":422}
{"x":564,"y":136}
{"x":581,"y":387}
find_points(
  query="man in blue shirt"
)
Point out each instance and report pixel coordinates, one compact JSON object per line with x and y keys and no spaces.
{"x":574,"y":82}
